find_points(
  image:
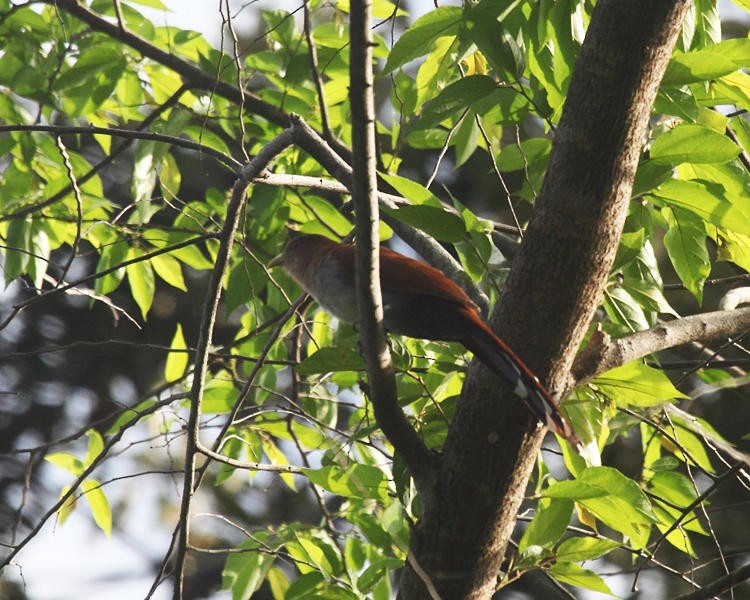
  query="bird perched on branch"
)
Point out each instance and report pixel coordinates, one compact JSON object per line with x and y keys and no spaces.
{"x":419,"y":301}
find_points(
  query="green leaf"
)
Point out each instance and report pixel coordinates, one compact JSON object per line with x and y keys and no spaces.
{"x":331,"y":359}
{"x":623,"y":310}
{"x":96,"y":446}
{"x":455,"y":98}
{"x":372,"y":575}
{"x":305,"y":587}
{"x":678,"y":536}
{"x":437,"y":70}
{"x":319,"y":550}
{"x":381,"y":9}
{"x":532,"y":151}
{"x":612,"y":498}
{"x":129,"y":414}
{"x":577,"y":549}
{"x":736,"y":49}
{"x":549,"y":523}
{"x":503,"y":51}
{"x":67,"y":507}
{"x":152,"y":3}
{"x":694,"y":448}
{"x":88,"y":66}
{"x":141,"y":279}
{"x":278,"y":582}
{"x":277,"y":457}
{"x":685,"y":242}
{"x":99,"y":504}
{"x":177,"y":359}
{"x":573,"y":574}
{"x":673,"y":487}
{"x":244,"y":572}
{"x":693,"y":144}
{"x":355,"y":481}
{"x":220,"y":395}
{"x":18,"y":246}
{"x":169,"y":176}
{"x":631,"y":244}
{"x":66,"y":461}
{"x":699,"y":65}
{"x":650,"y":175}
{"x":707,"y":200}
{"x":412,"y":190}
{"x":418,"y":39}
{"x":435,"y":221}
{"x":143,"y":181}
{"x":111,"y":255}
{"x":637,"y":384}
{"x":169,"y":269}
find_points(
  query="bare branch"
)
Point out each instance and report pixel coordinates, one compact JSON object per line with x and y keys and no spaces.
{"x":132,"y":134}
{"x":718,"y":586}
{"x":208,"y":318}
{"x":604,"y":353}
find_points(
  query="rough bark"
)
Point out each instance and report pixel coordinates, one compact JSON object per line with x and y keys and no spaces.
{"x":555,"y":285}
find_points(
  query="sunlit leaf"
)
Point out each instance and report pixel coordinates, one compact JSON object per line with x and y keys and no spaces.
{"x":693,"y":144}
{"x":573,"y":574}
{"x":177,"y":359}
{"x":99,"y":504}
{"x":637,"y":384}
{"x":417,"y":40}
{"x":577,"y":549}
{"x":141,"y":280}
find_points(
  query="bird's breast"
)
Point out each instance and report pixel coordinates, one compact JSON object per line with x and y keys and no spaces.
{"x":334,"y":290}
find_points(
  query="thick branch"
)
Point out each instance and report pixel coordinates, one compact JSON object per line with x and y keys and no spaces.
{"x":380,"y":372}
{"x":605,"y":354}
{"x":719,"y":586}
{"x":554,"y":287}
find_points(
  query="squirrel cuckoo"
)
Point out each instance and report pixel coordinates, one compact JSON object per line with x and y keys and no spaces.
{"x":419,"y":301}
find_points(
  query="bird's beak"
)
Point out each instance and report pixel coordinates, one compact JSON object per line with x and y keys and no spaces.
{"x":276,"y":261}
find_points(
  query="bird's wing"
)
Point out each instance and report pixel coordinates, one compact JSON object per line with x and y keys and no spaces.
{"x":399,"y":273}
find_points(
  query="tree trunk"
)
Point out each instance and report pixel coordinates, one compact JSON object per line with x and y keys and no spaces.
{"x":553,"y":290}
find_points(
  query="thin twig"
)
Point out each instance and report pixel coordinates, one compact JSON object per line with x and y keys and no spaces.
{"x":68,"y":286}
{"x":79,"y":205}
{"x":686,"y":511}
{"x":315,"y":72}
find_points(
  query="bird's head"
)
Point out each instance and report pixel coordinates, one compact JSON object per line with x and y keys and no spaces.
{"x":302,"y":253}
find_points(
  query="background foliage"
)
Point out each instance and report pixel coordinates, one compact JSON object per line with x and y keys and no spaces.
{"x":121,"y":141}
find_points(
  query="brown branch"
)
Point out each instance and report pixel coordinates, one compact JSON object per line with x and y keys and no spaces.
{"x":604,"y":354}
{"x":376,"y":353}
{"x":205,"y":335}
{"x":79,"y":206}
{"x":718,"y":586}
{"x":551,"y":295}
{"x":315,"y":72}
{"x":132,"y":134}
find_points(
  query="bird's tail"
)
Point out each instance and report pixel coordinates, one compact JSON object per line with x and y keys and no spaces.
{"x":499,"y":358}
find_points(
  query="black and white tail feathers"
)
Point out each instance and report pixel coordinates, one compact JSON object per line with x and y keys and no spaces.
{"x":499,"y":358}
